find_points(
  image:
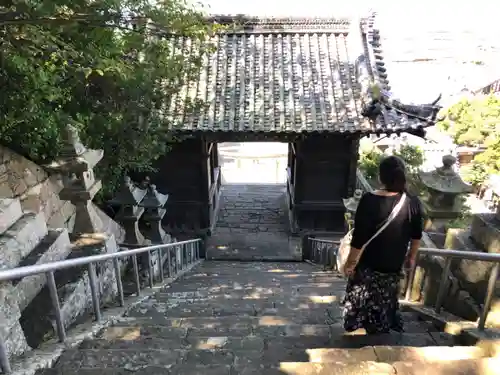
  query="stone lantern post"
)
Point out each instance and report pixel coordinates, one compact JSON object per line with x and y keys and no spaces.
{"x":128,"y":198}
{"x":154,"y":203}
{"x":79,"y":183}
{"x":445,"y":186}
{"x":351,"y":205}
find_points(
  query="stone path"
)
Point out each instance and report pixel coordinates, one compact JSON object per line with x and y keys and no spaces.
{"x":227,"y":318}
{"x":253,"y":225}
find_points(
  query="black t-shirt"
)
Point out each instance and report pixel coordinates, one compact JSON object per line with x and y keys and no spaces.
{"x":386,"y":253}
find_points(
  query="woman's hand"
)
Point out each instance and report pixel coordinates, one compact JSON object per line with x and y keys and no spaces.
{"x":349,"y":269}
{"x":410,"y":262}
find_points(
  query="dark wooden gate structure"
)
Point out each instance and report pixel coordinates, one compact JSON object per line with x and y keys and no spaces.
{"x":302,"y":81}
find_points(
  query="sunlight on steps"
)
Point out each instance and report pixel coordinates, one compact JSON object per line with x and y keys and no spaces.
{"x":230,"y":318}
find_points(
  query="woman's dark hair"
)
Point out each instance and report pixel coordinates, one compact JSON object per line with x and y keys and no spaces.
{"x":392,"y":174}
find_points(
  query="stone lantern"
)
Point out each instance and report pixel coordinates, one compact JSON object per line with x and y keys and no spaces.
{"x":154,"y":202}
{"x":79,"y":183}
{"x":351,"y":205}
{"x":128,"y":198}
{"x":445,"y":186}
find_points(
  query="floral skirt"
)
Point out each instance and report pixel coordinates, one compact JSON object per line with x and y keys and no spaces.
{"x":371,"y":302}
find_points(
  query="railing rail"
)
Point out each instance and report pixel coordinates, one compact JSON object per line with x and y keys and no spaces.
{"x":324,"y":252}
{"x":189,"y":254}
{"x":449,"y":255}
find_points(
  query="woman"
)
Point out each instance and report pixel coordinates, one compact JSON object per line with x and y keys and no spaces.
{"x":371,"y":300}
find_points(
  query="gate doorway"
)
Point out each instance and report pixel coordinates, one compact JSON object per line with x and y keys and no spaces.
{"x":253,"y":219}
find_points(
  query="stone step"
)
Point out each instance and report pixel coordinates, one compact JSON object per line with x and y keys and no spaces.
{"x":484,"y":366}
{"x":54,"y":246}
{"x":313,"y":335}
{"x":38,"y":318}
{"x":21,"y":238}
{"x":10,"y":212}
{"x":161,"y":361}
{"x":319,"y":315}
{"x":286,"y":290}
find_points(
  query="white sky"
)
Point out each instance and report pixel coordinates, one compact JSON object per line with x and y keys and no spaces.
{"x":455,"y":33}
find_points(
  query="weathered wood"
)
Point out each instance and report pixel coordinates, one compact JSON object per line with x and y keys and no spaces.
{"x":325,"y":172}
{"x":321,"y":172}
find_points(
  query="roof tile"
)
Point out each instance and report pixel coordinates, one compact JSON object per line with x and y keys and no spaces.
{"x":290,"y":75}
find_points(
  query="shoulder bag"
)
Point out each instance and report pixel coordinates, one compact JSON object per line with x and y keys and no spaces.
{"x":345,"y":243}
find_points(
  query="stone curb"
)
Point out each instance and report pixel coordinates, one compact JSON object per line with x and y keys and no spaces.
{"x":48,"y":353}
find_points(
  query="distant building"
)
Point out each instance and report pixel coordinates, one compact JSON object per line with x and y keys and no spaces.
{"x":492,"y":88}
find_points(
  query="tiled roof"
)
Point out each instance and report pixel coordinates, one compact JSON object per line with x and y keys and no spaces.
{"x":290,"y":75}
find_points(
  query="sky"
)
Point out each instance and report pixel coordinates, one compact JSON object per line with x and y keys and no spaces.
{"x":456,"y":34}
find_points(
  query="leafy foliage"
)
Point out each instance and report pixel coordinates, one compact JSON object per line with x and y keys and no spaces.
{"x":413,"y":157}
{"x":476,"y":122}
{"x":369,"y":161}
{"x":110,"y":67}
{"x":473,"y":122}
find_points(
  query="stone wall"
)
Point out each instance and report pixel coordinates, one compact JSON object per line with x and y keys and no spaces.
{"x":38,"y":192}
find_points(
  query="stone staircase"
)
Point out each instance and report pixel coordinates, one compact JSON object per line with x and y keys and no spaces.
{"x":26,"y":311}
{"x":24,"y":240}
{"x":253,"y":225}
{"x":228,"y":318}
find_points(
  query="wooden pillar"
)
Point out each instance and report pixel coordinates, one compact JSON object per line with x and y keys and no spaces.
{"x":351,"y":184}
{"x":205,"y":182}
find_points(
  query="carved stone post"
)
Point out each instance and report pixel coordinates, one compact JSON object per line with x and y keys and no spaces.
{"x":128,"y":198}
{"x":79,"y":184}
{"x":153,"y":203}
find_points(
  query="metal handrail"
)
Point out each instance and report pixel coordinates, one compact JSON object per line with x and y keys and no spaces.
{"x":191,"y":247}
{"x":449,"y":255}
{"x":326,"y":258}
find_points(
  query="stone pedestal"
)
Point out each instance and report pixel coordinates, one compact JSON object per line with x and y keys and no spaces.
{"x":485,"y":232}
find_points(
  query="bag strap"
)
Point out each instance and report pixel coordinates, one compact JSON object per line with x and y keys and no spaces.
{"x":390,"y":218}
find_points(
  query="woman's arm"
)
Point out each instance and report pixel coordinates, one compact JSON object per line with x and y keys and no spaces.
{"x":417,"y":227}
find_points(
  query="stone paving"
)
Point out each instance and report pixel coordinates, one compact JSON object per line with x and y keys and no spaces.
{"x":253,"y":225}
{"x":228,"y":318}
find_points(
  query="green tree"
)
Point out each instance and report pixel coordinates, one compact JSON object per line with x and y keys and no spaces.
{"x":473,"y":122}
{"x":110,"y":67}
{"x":370,"y":159}
{"x":476,"y":122}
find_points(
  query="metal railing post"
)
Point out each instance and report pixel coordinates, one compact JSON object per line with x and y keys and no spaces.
{"x":160,"y":265}
{"x":51,"y":281}
{"x":411,"y":279}
{"x":182,"y":257}
{"x":94,"y":292}
{"x":151,"y":270}
{"x":489,"y":296}
{"x":137,"y":279}
{"x":4,"y":358}
{"x":443,"y":285}
{"x":119,"y":284}
{"x":169,"y":260}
